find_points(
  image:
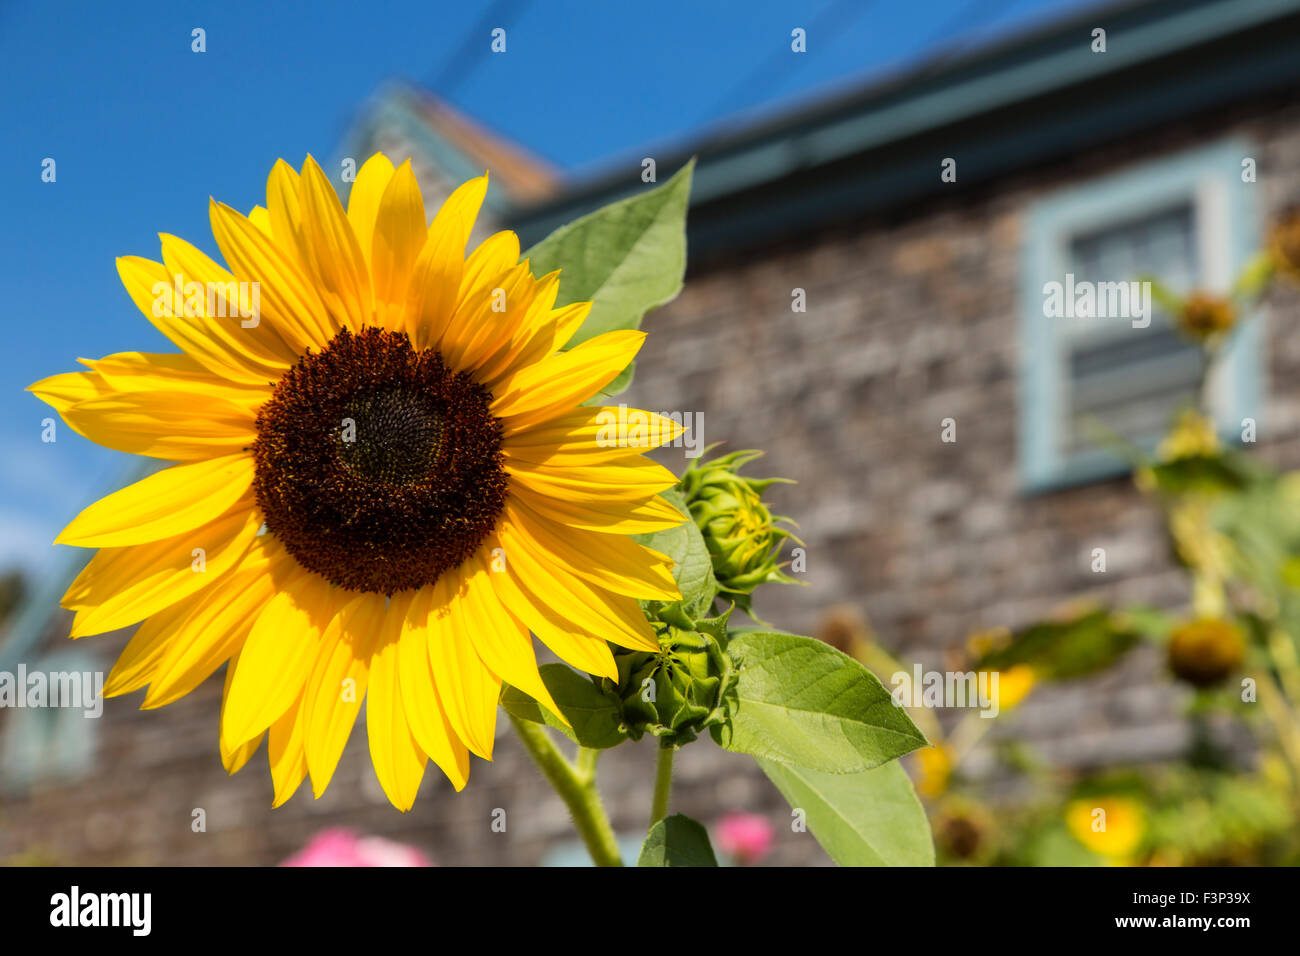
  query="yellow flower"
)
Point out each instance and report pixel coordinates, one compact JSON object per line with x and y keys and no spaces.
{"x":1193,"y":436}
{"x":385,"y":480}
{"x":1204,"y":315}
{"x":1110,"y":826}
{"x":1205,"y":651}
{"x":1014,"y":685}
{"x":935,"y":765}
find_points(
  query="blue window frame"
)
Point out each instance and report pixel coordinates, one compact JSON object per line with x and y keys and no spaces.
{"x":1188,"y":219}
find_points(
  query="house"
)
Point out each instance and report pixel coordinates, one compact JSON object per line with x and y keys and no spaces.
{"x":921,"y":218}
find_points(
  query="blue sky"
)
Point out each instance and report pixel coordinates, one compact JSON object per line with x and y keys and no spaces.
{"x":143,"y":131}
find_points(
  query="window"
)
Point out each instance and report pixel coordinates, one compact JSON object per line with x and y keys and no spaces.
{"x":50,"y":743}
{"x":1187,"y":220}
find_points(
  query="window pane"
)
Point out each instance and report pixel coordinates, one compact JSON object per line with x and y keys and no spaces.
{"x":1129,"y":381}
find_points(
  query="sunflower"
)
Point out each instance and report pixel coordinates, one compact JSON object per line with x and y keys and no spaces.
{"x":384,"y":482}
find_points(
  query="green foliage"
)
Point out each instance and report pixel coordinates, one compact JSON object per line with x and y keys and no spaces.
{"x":626,"y":258}
{"x":686,"y":687}
{"x":802,"y":702}
{"x":692,"y":567}
{"x":868,"y":818}
{"x":593,"y":713}
{"x":1254,"y":277}
{"x":1221,"y":472}
{"x":677,"y":841}
{"x":1058,"y":650}
{"x":742,"y":535}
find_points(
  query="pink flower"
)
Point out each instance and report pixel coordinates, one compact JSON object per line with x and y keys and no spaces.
{"x":342,"y":847}
{"x":745,"y":837}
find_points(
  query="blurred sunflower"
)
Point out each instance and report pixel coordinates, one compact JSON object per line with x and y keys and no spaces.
{"x":1205,"y":315}
{"x":386,"y":480}
{"x":1111,"y":826}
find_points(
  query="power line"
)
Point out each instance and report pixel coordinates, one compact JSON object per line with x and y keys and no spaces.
{"x":771,"y":67}
{"x":467,"y":55}
{"x":970,"y":14}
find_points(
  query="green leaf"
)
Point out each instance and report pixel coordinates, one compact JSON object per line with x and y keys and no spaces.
{"x":1254,"y":276}
{"x":594,"y":715}
{"x":802,"y":702}
{"x":870,"y":818}
{"x":626,"y":259}
{"x":677,"y":841}
{"x":1200,"y":473}
{"x":1165,"y":297}
{"x":1059,"y":650}
{"x":692,"y":566}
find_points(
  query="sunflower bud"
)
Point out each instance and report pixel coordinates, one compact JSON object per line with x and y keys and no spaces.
{"x":1205,"y":651}
{"x":1205,"y":315}
{"x":741,"y":534}
{"x":679,"y":691}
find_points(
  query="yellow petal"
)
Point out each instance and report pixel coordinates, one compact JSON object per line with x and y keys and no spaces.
{"x":487,"y":320}
{"x":564,"y":380}
{"x":572,"y":617}
{"x":165,"y":504}
{"x":594,"y":514}
{"x":172,"y":372}
{"x":289,"y":300}
{"x":502,"y":643}
{"x":627,"y":481}
{"x":532,"y":338}
{"x":495,"y":255}
{"x":435,"y":279}
{"x":215,"y":629}
{"x":121,"y":586}
{"x":140,"y":658}
{"x":177,"y":426}
{"x":154,"y":292}
{"x":284,"y":210}
{"x":399,"y":236}
{"x":398,"y":760}
{"x":591,"y":436}
{"x":467,"y":689}
{"x":364,"y":198}
{"x":337,"y":685}
{"x":277,"y":657}
{"x":63,"y":391}
{"x":609,"y":561}
{"x":285,"y":752}
{"x":261,"y":218}
{"x":234,"y":759}
{"x":232,"y":312}
{"x":331,"y":253}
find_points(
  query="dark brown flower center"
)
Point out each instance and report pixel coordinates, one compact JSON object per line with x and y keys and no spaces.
{"x":377,"y":467}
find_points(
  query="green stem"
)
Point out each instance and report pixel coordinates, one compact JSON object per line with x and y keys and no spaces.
{"x":663,"y":784}
{"x":577,"y":788}
{"x":586,"y":763}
